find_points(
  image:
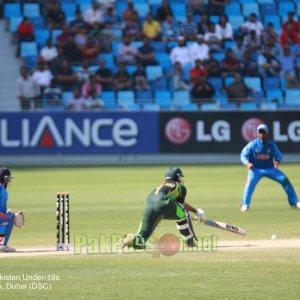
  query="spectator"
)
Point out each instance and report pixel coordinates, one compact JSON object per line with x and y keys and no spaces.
{"x":108,"y":37}
{"x":252,"y":24}
{"x":270,"y":34}
{"x":65,"y":35}
{"x":239,"y":48}
{"x":252,"y":42}
{"x":202,"y":91}
{"x":79,"y":22}
{"x":179,"y":81}
{"x":77,"y":102}
{"x":42,"y":76}
{"x":25,"y":33}
{"x":91,"y":90}
{"x":66,"y":77}
{"x":224,"y":28}
{"x":188,"y":29}
{"x":197,"y":71}
{"x":170,"y":30}
{"x":180,"y":53}
{"x":196,"y":7}
{"x":213,"y":39}
{"x":94,"y":15}
{"x":267,"y":64}
{"x":140,"y":79}
{"x":249,"y":65}
{"x":231,"y":65}
{"x":90,"y":51}
{"x":48,"y":7}
{"x":53,"y":94}
{"x":217,"y":7}
{"x":55,"y":63}
{"x":203,"y":23}
{"x":49,"y":52}
{"x":56,"y":18}
{"x":291,"y":20}
{"x":81,"y":38}
{"x":151,"y":28}
{"x":122,"y":79}
{"x":163,"y":11}
{"x":212,"y":65}
{"x":27,"y":90}
{"x":287,"y":63}
{"x":127,"y":52}
{"x":110,"y":16}
{"x":275,"y":47}
{"x":145,"y":53}
{"x":199,"y":50}
{"x":104,"y":76}
{"x":130,"y":12}
{"x":71,"y":52}
{"x":238,"y":92}
{"x":289,"y":33}
{"x":83,"y":72}
{"x":132,"y":29}
{"x":292,"y":82}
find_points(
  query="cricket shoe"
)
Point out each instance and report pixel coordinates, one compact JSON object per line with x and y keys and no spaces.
{"x":6,"y":249}
{"x":127,"y":241}
{"x":297,"y":206}
{"x":244,"y":208}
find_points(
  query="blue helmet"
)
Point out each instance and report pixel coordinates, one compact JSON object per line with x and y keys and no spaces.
{"x":4,"y":174}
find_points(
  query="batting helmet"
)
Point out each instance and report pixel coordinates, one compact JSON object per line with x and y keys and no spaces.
{"x":4,"y":173}
{"x":173,"y":173}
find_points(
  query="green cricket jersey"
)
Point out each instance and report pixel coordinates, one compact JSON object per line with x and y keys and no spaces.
{"x":169,"y":190}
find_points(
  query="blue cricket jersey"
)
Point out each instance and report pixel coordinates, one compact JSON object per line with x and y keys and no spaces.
{"x":261,"y":154}
{"x":3,"y":199}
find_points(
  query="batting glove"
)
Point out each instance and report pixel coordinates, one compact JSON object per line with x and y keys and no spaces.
{"x":201,"y":215}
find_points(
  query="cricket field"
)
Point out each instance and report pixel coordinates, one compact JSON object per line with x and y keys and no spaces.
{"x":107,"y":202}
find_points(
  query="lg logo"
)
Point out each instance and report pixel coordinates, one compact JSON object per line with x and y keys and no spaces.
{"x":178,"y":130}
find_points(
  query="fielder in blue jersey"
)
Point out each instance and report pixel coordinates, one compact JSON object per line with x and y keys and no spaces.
{"x":6,"y":215}
{"x":262,"y":157}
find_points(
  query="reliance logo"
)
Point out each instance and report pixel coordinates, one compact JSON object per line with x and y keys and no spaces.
{"x":122,"y":132}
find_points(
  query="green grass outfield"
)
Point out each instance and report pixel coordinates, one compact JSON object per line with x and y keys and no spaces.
{"x":108,"y":201}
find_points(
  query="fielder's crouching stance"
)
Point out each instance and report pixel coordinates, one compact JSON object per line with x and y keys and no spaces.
{"x":166,"y":202}
{"x":7,"y":218}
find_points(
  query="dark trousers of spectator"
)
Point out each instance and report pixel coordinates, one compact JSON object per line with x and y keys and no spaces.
{"x":26,"y":103}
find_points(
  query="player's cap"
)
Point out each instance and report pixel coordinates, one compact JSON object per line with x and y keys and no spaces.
{"x":262,"y":127}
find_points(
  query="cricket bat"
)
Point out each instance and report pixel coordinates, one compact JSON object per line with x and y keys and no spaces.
{"x":223,"y":226}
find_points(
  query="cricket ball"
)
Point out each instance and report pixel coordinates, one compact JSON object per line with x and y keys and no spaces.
{"x":274,"y":237}
{"x":168,"y":244}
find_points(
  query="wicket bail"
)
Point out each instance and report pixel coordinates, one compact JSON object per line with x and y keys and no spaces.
{"x":62,"y":221}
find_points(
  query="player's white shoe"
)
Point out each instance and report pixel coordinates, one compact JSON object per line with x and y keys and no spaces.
{"x":297,"y":206}
{"x":127,"y":241}
{"x":6,"y":249}
{"x":244,"y":208}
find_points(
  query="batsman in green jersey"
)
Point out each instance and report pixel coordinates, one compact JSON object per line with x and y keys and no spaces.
{"x":167,"y":201}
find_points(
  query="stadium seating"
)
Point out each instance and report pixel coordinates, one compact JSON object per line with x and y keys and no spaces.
{"x":160,"y":75}
{"x":180,"y":98}
{"x":12,"y":10}
{"x":144,"y":97}
{"x":109,"y":99}
{"x":28,"y":49}
{"x":41,"y":36}
{"x":292,"y":98}
{"x":125,"y":97}
{"x":31,"y":9}
{"x":163,"y":99}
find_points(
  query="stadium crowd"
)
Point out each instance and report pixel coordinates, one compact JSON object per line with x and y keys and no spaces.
{"x":93,"y":55}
